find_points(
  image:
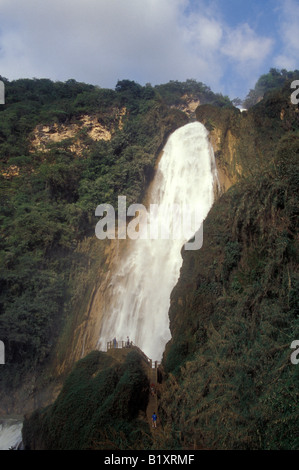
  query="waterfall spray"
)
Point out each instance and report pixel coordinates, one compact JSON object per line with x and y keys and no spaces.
{"x":146,"y":275}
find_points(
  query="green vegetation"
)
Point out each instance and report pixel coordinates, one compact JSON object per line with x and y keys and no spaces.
{"x":230,"y":382}
{"x":98,"y":408}
{"x":49,"y":195}
{"x":246,"y":142}
{"x":174,"y":91}
{"x":268,"y":82}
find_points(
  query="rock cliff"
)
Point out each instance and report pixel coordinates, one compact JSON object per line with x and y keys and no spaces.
{"x":229,"y":382}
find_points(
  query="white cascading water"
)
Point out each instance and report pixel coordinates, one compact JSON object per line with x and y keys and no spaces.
{"x":142,"y":285}
{"x":10,"y":433}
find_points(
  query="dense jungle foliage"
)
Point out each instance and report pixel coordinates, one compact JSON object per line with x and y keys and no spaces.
{"x":49,"y":196}
{"x":234,"y":312}
{"x":228,"y":382}
{"x":98,"y":408}
{"x":270,"y":81}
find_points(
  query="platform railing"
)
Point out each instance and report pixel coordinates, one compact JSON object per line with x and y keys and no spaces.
{"x":114,"y":344}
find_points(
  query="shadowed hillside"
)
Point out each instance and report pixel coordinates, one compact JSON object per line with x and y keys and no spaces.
{"x":226,"y":380}
{"x":234,"y":312}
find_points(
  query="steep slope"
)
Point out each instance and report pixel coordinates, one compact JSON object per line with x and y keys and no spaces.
{"x":101,"y":406}
{"x":245,"y":142}
{"x":234,"y":312}
{"x":64,"y":149}
{"x":228,"y":381}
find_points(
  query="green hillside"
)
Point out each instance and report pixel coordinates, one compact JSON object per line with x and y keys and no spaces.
{"x":227,"y":381}
{"x":49,"y":194}
{"x":234,"y":312}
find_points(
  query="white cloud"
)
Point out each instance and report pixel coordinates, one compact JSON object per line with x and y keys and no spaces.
{"x":92,"y":40}
{"x":204,"y":33}
{"x":242,"y":44}
{"x":288,"y":58}
{"x":101,"y":41}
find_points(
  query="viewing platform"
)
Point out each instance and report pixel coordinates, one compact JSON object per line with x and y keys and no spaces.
{"x":121,"y":348}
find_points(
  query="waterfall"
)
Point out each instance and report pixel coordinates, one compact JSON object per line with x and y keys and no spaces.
{"x":10,"y":433}
{"x":146,"y":275}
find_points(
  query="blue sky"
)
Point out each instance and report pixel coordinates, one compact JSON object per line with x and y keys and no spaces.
{"x":226,"y":44}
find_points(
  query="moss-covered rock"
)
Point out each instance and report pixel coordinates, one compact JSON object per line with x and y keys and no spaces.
{"x":100,"y":406}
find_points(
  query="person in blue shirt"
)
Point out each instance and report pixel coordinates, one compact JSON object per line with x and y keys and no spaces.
{"x":154,"y":420}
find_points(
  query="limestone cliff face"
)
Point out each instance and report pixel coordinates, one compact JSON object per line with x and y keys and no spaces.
{"x":10,"y":172}
{"x":87,"y":315}
{"x":223,"y":125}
{"x":45,"y":135}
{"x":243,"y":142}
{"x":188,"y":104}
{"x":226,"y":144}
